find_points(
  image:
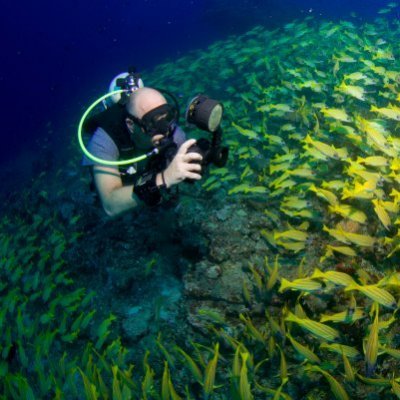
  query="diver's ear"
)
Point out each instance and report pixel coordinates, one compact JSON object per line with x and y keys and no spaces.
{"x":129,"y":124}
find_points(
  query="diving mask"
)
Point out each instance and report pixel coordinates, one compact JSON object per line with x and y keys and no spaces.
{"x":159,"y":121}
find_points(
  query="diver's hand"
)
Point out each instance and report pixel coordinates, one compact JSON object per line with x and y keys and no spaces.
{"x":184,"y":165}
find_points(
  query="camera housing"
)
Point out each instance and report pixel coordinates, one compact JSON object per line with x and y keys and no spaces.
{"x":216,"y":155}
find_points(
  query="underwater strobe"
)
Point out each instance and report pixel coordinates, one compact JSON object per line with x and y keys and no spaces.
{"x":206,"y":114}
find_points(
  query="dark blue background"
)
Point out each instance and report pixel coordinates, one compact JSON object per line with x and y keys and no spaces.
{"x":57,"y":57}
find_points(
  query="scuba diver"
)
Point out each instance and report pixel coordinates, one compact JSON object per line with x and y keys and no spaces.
{"x":142,"y":125}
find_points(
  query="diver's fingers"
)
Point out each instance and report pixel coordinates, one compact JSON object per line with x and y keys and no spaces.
{"x":193,"y":167}
{"x":192,"y":156}
{"x":184,"y":147}
{"x":193,"y":175}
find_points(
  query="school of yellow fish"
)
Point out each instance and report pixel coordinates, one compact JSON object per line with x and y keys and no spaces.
{"x":322,"y":106}
{"x":312,"y":120}
{"x":315,"y":134}
{"x":329,"y":126}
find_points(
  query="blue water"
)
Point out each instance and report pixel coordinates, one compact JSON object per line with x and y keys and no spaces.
{"x":59,"y":56}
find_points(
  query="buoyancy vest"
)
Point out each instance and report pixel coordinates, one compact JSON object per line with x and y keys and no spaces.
{"x":112,"y":120}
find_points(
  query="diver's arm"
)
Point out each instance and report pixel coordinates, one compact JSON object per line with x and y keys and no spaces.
{"x":115,"y":197}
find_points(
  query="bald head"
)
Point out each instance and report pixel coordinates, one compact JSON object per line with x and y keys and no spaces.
{"x":144,"y":100}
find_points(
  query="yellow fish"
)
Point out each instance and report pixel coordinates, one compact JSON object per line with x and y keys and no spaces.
{"x":287,"y":128}
{"x":391,"y":280}
{"x":275,"y":140}
{"x":302,"y":172}
{"x":366,"y":175}
{"x":324,"y":194}
{"x":348,"y":251}
{"x":374,"y":381}
{"x":295,"y":202}
{"x":365,"y":190}
{"x":303,"y":284}
{"x":352,"y":304}
{"x":296,"y":136}
{"x":333,"y":185}
{"x":246,"y":132}
{"x":209,"y":375}
{"x":349,"y":212}
{"x":293,"y":246}
{"x":278,"y":181}
{"x":313,"y":85}
{"x":360,"y":240}
{"x":395,"y":176}
{"x":288,"y":183}
{"x":273,"y":273}
{"x":315,"y":328}
{"x":395,"y":164}
{"x":344,"y":58}
{"x":337,"y":234}
{"x":349,"y":237}
{"x":337,"y":389}
{"x":382,"y":54}
{"x":245,"y":188}
{"x":375,"y":293}
{"x":301,"y":213}
{"x":278,"y":107}
{"x":314,"y":153}
{"x":387,"y":323}
{"x":376,"y":132}
{"x":326,"y":149}
{"x":269,"y":237}
{"x":336,"y":113}
{"x":381,"y":213}
{"x":355,"y":76}
{"x":351,"y":352}
{"x":331,"y":32}
{"x":344,"y":316}
{"x":355,"y":91}
{"x":374,"y":161}
{"x":288,"y":157}
{"x":395,"y":353}
{"x":292,"y":234}
{"x":395,"y":387}
{"x":392,"y":113}
{"x":349,"y":374}
{"x":273,"y":168}
{"x":378,"y":70}
{"x":341,"y":152}
{"x":304,"y":351}
{"x":336,"y":277}
{"x":393,"y":76}
{"x":371,"y":348}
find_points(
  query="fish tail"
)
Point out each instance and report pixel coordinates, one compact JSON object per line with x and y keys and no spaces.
{"x":285,"y":284}
{"x":352,"y":286}
{"x":317,"y":274}
{"x":370,"y":368}
{"x":308,"y":139}
{"x":291,"y":317}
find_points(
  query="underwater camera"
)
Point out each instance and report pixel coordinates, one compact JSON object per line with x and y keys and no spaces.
{"x":206,"y":114}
